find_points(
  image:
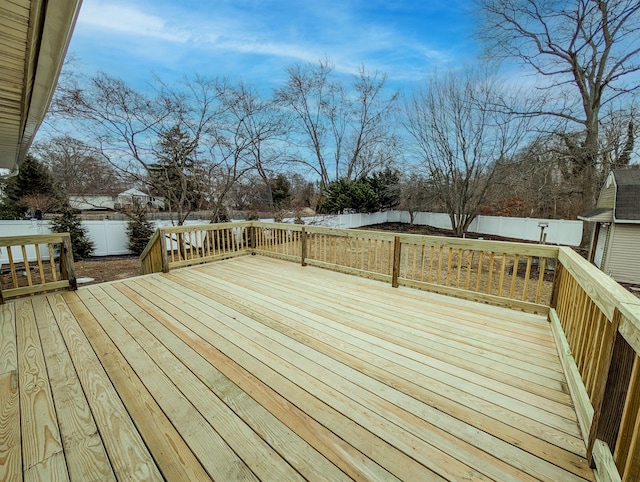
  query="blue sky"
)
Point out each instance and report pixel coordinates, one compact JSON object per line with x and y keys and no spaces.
{"x":256,"y":40}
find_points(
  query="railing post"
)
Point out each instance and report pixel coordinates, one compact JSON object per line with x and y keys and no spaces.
{"x":66,"y":262}
{"x":162,"y":243}
{"x":303,"y":254}
{"x":395,"y":273}
{"x":557,"y":279}
{"x":254,"y":238}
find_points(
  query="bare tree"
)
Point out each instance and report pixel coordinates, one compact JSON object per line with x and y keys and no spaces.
{"x":259,"y":129}
{"x":416,"y":194}
{"x":461,"y":141}
{"x":181,"y":142}
{"x":584,"y":49}
{"x":342,"y":134}
{"x":540,"y":183}
{"x":76,"y":168}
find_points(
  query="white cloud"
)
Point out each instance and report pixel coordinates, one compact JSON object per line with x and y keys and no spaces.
{"x":125,"y":19}
{"x":229,"y":34}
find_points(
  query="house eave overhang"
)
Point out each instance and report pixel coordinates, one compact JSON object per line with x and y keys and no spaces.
{"x":599,"y":215}
{"x":37,"y":35}
{"x":626,"y":221}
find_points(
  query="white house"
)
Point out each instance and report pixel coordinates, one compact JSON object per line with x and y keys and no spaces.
{"x":93,"y":202}
{"x":132,"y":196}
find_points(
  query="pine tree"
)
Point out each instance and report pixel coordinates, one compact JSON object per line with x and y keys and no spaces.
{"x":69,"y":222}
{"x":139,"y":229}
{"x":32,"y":188}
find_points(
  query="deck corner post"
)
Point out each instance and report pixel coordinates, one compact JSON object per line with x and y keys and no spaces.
{"x":162,"y":242}
{"x":303,"y":248}
{"x":557,"y":280}
{"x":395,"y":273}
{"x":66,"y":262}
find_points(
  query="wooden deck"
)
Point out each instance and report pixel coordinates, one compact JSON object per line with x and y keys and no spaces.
{"x":260,"y":369}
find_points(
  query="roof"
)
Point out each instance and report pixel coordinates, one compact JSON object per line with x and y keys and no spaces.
{"x":598,"y":215}
{"x":35,"y":37}
{"x":133,"y":192}
{"x":627,"y":194}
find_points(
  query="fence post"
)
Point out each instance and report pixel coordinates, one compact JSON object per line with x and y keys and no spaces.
{"x":395,"y":273}
{"x":303,"y":254}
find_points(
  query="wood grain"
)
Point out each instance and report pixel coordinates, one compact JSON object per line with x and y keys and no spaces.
{"x":8,"y":349}
{"x":10,"y":438}
{"x":267,"y":315}
{"x":41,"y":441}
{"x":251,"y":448}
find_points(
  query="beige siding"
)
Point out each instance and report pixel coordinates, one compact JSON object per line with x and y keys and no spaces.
{"x":607,"y":196}
{"x":623,"y":261}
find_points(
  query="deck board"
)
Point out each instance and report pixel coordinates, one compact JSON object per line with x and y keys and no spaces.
{"x":129,"y":456}
{"x":85,"y":454}
{"x":256,"y":368}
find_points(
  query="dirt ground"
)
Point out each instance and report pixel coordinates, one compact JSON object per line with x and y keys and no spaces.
{"x":107,"y":268}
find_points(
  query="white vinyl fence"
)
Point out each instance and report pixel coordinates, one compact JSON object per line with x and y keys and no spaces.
{"x":110,"y":236}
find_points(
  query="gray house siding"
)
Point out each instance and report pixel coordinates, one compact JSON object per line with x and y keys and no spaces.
{"x":623,"y":254}
{"x":607,"y":196}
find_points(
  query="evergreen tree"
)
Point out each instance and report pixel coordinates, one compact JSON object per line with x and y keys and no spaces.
{"x":177,"y":176}
{"x":139,"y":229}
{"x":386,"y":185}
{"x":32,"y":189}
{"x":343,"y":194}
{"x":69,"y":222}
{"x":281,"y":191}
{"x":625,"y":157}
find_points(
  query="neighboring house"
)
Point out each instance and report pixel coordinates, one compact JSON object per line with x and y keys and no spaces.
{"x":132,"y":196}
{"x":615,"y":247}
{"x":114,"y":201}
{"x":93,"y":202}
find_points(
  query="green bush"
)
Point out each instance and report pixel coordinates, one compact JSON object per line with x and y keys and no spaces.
{"x":139,"y":230}
{"x":69,"y":222}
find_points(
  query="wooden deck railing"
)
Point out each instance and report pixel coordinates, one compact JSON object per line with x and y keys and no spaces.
{"x":596,"y":322}
{"x":179,"y":246}
{"x":36,"y":264}
{"x":597,"y":326}
{"x":517,"y":275}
